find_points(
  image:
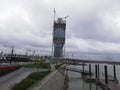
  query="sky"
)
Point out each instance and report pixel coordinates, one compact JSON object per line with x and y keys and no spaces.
{"x":93,"y":26}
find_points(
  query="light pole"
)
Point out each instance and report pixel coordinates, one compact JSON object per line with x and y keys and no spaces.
{"x":12,"y":51}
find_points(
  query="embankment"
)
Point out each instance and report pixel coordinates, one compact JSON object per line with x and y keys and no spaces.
{"x":54,"y":81}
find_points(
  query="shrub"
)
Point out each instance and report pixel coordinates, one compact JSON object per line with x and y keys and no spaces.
{"x":58,"y":66}
{"x":6,"y":69}
{"x":39,"y":65}
{"x":24,"y":84}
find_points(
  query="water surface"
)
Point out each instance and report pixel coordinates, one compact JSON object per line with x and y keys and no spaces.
{"x":77,"y":83}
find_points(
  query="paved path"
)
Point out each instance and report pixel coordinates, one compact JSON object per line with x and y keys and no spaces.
{"x":10,"y":75}
{"x":39,"y":84}
{"x":9,"y":80}
{"x":52,"y":67}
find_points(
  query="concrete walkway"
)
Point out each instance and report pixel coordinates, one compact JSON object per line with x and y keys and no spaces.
{"x":9,"y":80}
{"x":39,"y":84}
{"x":52,"y":67}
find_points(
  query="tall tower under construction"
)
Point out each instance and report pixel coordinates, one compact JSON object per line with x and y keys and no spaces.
{"x":59,"y":27}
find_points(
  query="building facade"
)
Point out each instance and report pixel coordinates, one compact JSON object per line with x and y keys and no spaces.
{"x":59,"y":36}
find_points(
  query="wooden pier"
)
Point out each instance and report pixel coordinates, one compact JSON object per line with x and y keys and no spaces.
{"x":79,"y":71}
{"x":104,"y":80}
{"x":112,"y":85}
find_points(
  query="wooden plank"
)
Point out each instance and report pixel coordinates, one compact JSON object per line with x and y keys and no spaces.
{"x":111,"y":84}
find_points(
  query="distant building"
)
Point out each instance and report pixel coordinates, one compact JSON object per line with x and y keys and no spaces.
{"x":59,"y":36}
{"x":16,"y":57}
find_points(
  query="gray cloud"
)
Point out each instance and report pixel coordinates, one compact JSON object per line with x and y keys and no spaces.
{"x":93,"y":26}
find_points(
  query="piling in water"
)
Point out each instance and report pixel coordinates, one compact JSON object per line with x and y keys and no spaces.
{"x":96,"y":72}
{"x":83,"y":68}
{"x":114,"y":72}
{"x":106,"y":77}
{"x":90,"y":69}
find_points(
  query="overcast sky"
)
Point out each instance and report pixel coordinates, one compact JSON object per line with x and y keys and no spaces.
{"x":93,"y":26}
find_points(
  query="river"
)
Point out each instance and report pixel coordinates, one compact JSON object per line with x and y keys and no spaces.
{"x":77,"y":83}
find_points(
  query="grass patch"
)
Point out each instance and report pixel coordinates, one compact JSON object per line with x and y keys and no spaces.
{"x":58,"y":66}
{"x":31,"y":79}
{"x":39,"y":65}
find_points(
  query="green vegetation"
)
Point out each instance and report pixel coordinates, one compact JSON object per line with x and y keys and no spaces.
{"x":39,"y":65}
{"x":31,"y":79}
{"x":58,"y":66}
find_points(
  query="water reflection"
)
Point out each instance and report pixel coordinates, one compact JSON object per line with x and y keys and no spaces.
{"x":77,"y":83}
{"x":90,"y":86}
